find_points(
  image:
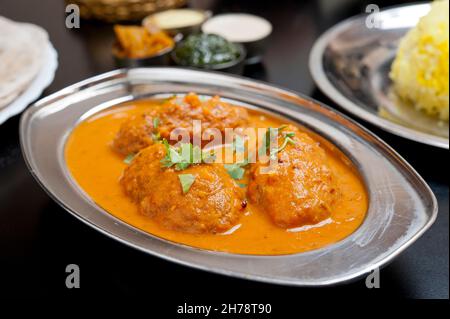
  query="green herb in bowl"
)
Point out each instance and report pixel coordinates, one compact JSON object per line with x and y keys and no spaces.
{"x":208,"y":51}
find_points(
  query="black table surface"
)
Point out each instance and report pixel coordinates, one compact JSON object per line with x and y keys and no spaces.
{"x":38,"y":238}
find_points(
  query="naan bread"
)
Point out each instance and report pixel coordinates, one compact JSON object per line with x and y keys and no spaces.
{"x":22,"y":52}
{"x":5,"y":100}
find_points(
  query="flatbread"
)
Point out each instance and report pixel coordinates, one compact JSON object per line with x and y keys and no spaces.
{"x":5,"y":100}
{"x":22,"y":52}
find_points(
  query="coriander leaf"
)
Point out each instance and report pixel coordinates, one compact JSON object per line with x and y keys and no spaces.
{"x":182,"y":166}
{"x":186,"y":181}
{"x":290,"y":134}
{"x":166,"y":161}
{"x":239,"y":144}
{"x":196,"y":154}
{"x":174,"y":156}
{"x":272,"y":133}
{"x":185,"y":156}
{"x":155,"y":122}
{"x":286,"y":141}
{"x":186,"y":152}
{"x":235,"y":170}
{"x":129,"y":158}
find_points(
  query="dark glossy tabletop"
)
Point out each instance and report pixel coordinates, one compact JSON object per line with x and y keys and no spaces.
{"x":38,"y":238}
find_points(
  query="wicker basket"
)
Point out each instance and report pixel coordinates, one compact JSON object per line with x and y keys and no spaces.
{"x":122,"y":10}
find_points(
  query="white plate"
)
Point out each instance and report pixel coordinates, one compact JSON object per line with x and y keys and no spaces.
{"x":42,"y":80}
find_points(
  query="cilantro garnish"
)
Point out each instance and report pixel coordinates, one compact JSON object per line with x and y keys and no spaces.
{"x":155,"y":123}
{"x":129,"y":158}
{"x":236,"y":170}
{"x":238,"y":144}
{"x":186,"y":181}
{"x":275,"y":151}
{"x":184,"y":156}
{"x":271,"y":134}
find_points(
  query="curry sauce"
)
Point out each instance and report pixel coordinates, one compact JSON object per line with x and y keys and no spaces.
{"x":99,"y":170}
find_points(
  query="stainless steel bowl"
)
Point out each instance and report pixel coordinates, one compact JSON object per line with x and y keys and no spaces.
{"x":234,"y":67}
{"x":401,"y":205}
{"x":255,"y":48}
{"x":186,"y":30}
{"x":162,"y":58}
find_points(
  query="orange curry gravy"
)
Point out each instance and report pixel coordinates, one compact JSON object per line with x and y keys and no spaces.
{"x":97,"y":168}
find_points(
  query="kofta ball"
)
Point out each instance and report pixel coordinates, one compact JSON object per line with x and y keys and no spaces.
{"x":213,"y":204}
{"x":213,"y":114}
{"x":138,"y":131}
{"x":134,"y":134}
{"x":300,"y":189}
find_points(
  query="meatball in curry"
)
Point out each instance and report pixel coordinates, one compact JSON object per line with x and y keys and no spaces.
{"x":213,"y":204}
{"x":213,"y":114}
{"x":300,"y":189}
{"x":139,"y":132}
{"x":134,"y":134}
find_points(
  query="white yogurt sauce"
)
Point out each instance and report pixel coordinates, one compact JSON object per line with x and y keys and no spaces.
{"x":238,"y":27}
{"x":177,"y":18}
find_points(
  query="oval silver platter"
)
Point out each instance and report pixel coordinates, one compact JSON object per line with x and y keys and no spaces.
{"x":401,"y":205}
{"x":350,"y":63}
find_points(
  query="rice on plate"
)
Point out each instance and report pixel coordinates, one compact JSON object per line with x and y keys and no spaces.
{"x":420,"y":71}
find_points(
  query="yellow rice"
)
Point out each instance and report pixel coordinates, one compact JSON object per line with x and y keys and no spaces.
{"x":420,"y":69}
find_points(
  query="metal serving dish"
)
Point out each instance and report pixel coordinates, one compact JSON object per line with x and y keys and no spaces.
{"x":234,"y":67}
{"x":162,"y":58}
{"x":351,"y":64}
{"x":401,"y":205}
{"x":186,"y":30}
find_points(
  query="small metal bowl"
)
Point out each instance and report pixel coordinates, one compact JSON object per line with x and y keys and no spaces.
{"x":255,"y":48}
{"x":186,"y":30}
{"x":162,"y":58}
{"x":234,"y":67}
